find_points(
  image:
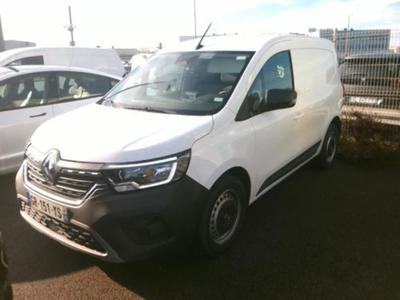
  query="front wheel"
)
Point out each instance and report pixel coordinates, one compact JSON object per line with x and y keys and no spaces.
{"x":223,"y":215}
{"x":328,"y":152}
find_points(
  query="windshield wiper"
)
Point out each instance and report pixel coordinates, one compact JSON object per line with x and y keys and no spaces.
{"x":132,"y":87}
{"x":151,"y":109}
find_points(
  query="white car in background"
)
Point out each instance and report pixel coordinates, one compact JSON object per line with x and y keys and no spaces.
{"x":98,"y":59}
{"x":31,"y":95}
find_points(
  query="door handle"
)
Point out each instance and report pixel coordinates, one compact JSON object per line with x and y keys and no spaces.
{"x":298,"y":115}
{"x":39,"y":115}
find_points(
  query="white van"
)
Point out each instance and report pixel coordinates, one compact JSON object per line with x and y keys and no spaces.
{"x":178,"y":149}
{"x":103,"y":60}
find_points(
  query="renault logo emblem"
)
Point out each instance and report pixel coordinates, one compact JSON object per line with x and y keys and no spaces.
{"x":49,"y":165}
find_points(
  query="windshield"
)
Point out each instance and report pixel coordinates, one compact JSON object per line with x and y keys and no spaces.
{"x":196,"y":83}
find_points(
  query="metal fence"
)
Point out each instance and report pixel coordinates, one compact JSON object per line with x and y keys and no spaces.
{"x":370,"y":72}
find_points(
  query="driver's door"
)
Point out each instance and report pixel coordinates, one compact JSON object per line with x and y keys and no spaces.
{"x":276,"y":131}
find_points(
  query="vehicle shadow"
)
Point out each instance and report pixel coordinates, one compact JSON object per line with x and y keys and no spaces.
{"x":316,"y":235}
{"x":283,"y":249}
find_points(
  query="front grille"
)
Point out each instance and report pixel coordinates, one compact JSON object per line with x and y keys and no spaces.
{"x":71,"y":232}
{"x":74,"y":184}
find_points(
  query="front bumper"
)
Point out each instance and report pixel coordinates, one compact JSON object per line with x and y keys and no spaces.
{"x":120,"y":227}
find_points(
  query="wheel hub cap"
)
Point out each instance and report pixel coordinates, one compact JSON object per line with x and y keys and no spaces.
{"x":224,"y":216}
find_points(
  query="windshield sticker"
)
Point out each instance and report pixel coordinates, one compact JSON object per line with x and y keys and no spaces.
{"x":281,"y":71}
{"x":241,"y":57}
{"x":190,"y":96}
{"x":206,"y":55}
{"x":218,"y":99}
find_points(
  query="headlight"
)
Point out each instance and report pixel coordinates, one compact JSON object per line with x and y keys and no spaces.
{"x":131,"y":177}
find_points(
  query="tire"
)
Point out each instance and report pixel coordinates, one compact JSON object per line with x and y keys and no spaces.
{"x":223,"y":216}
{"x":329,"y":147}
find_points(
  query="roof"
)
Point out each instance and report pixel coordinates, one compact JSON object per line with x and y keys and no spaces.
{"x":237,"y":42}
{"x":224,"y":43}
{"x":11,"y":71}
{"x":5,"y":71}
{"x":12,"y":52}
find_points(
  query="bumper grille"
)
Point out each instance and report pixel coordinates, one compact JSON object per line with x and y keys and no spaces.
{"x":74,"y":184}
{"x":71,"y":232}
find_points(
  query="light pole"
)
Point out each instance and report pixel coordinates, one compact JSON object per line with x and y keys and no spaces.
{"x":71,"y":27}
{"x":2,"y":45}
{"x":348,"y":22}
{"x":347,"y":36}
{"x":195,"y":18}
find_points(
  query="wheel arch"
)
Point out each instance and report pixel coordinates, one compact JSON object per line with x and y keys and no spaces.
{"x":337,"y":122}
{"x":241,"y":174}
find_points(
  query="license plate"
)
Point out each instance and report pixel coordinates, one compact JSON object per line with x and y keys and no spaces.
{"x":365,"y":100}
{"x":53,"y":210}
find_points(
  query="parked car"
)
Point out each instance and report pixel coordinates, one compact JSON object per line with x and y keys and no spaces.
{"x":372,"y":85}
{"x":192,"y":138}
{"x":5,"y":287}
{"x":98,"y":59}
{"x":30,"y":95}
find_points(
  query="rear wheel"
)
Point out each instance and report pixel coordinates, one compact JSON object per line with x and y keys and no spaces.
{"x":223,"y":215}
{"x":328,"y":152}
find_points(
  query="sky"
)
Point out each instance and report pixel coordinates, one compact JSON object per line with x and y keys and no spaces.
{"x":132,"y":24}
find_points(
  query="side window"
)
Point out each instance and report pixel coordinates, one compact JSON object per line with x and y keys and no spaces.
{"x":4,"y":90}
{"x":23,"y":92}
{"x":275,"y":74}
{"x":32,"y":60}
{"x":80,"y":85}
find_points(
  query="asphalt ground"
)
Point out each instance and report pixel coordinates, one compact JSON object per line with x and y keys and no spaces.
{"x":318,"y":235}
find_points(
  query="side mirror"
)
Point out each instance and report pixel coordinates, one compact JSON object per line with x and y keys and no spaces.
{"x":280,"y":98}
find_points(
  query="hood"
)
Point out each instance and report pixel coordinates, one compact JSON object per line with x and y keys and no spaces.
{"x":96,"y":133}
